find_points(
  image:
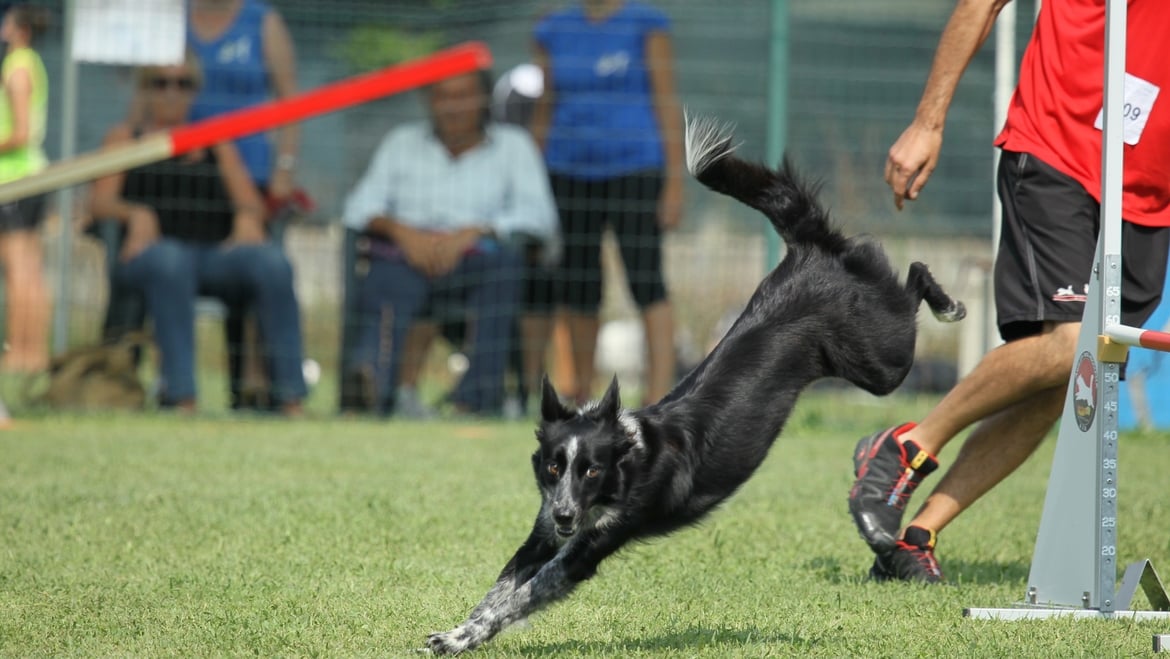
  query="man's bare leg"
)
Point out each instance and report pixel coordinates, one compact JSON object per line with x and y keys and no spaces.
{"x":1009,"y":374}
{"x":1014,"y":394}
{"x":993,"y":450}
{"x":414,"y":352}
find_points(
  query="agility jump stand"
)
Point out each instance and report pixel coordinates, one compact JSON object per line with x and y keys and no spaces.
{"x":1074,"y":564}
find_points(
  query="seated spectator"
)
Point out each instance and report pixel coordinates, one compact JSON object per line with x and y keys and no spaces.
{"x":513,"y":99}
{"x":195,"y":226}
{"x":447,"y":206}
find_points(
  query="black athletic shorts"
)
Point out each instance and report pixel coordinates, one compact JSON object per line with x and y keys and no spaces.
{"x":22,"y":214}
{"x":1047,"y":247}
{"x":628,"y":205}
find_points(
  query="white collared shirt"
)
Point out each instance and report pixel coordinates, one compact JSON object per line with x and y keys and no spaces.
{"x":499,"y":184}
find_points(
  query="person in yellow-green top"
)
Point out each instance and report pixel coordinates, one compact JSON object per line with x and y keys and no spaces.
{"x":23,"y":112}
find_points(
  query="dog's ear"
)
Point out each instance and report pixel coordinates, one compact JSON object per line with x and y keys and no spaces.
{"x":611,"y":403}
{"x":551,"y":408}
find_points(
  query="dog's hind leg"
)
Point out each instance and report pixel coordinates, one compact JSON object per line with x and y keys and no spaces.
{"x":920,"y":284}
{"x":873,"y":343}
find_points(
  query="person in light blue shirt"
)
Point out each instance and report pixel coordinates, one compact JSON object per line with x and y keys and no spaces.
{"x":444,"y":206}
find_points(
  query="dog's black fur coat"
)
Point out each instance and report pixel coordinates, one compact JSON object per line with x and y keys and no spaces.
{"x":833,"y":307}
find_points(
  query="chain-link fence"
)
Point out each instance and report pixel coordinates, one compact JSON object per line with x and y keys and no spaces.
{"x":851,"y":74}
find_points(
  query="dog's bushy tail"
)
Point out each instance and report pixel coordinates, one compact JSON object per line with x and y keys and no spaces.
{"x":789,"y":203}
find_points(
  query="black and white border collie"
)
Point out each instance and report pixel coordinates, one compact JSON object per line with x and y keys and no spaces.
{"x":607,"y":475}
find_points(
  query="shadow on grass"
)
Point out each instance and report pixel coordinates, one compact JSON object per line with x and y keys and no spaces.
{"x":987,"y":572}
{"x":693,"y":639}
{"x":957,"y":571}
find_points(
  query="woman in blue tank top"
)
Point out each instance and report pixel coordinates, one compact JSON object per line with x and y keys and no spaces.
{"x":610,"y":127}
{"x":247,"y":57}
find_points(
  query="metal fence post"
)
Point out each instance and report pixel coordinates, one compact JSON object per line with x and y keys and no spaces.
{"x":777,"y":131}
{"x":63,"y":292}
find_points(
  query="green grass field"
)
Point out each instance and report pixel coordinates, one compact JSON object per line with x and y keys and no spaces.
{"x":157,"y":535}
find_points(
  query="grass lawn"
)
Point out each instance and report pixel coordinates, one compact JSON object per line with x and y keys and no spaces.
{"x":156,"y":535}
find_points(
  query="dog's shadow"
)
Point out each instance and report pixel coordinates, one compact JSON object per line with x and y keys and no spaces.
{"x":699,"y":638}
{"x":688,"y":640}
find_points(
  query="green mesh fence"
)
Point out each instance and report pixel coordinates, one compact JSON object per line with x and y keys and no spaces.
{"x":855,"y":71}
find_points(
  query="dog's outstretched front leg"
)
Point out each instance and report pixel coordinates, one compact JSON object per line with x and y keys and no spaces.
{"x":508,"y":604}
{"x":536,"y":551}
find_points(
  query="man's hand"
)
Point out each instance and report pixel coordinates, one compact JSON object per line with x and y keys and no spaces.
{"x":450,"y":248}
{"x":141,"y":232}
{"x":911,"y":161}
{"x":418,"y":248}
{"x":432,"y":253}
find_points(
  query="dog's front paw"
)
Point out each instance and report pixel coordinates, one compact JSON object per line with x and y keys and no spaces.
{"x":460,"y":639}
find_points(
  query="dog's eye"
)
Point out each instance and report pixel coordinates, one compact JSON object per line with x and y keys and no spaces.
{"x":553,"y":469}
{"x":593,"y":472}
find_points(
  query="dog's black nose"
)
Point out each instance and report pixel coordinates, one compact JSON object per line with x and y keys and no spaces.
{"x":563,"y":520}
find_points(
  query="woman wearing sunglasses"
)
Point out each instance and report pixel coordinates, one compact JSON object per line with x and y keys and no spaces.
{"x":194,"y":226}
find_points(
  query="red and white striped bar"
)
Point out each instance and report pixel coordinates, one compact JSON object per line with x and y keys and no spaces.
{"x":464,"y":58}
{"x":1136,"y":336}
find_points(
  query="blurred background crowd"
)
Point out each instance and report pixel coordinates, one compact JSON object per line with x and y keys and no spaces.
{"x":831,"y":83}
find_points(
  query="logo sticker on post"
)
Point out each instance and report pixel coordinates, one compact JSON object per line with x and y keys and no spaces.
{"x":1085,"y":391}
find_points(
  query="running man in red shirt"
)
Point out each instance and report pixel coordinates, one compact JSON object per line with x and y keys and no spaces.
{"x":1049,"y":187}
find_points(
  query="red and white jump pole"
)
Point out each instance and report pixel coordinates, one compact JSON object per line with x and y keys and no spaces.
{"x":464,"y":58}
{"x":1138,"y":337}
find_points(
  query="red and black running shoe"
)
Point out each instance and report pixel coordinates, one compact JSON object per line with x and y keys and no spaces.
{"x":911,"y":560}
{"x":888,"y":471}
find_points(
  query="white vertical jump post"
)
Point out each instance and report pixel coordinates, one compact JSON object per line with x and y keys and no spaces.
{"x":1074,"y":564}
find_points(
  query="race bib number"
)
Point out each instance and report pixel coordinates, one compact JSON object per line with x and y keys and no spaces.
{"x":1139,"y":100}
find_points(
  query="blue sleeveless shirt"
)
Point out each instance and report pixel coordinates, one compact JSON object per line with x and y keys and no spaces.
{"x":234,"y":77}
{"x":603,"y":122}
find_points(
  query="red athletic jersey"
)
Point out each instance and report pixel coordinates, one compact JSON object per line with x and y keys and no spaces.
{"x":1058,"y":100}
